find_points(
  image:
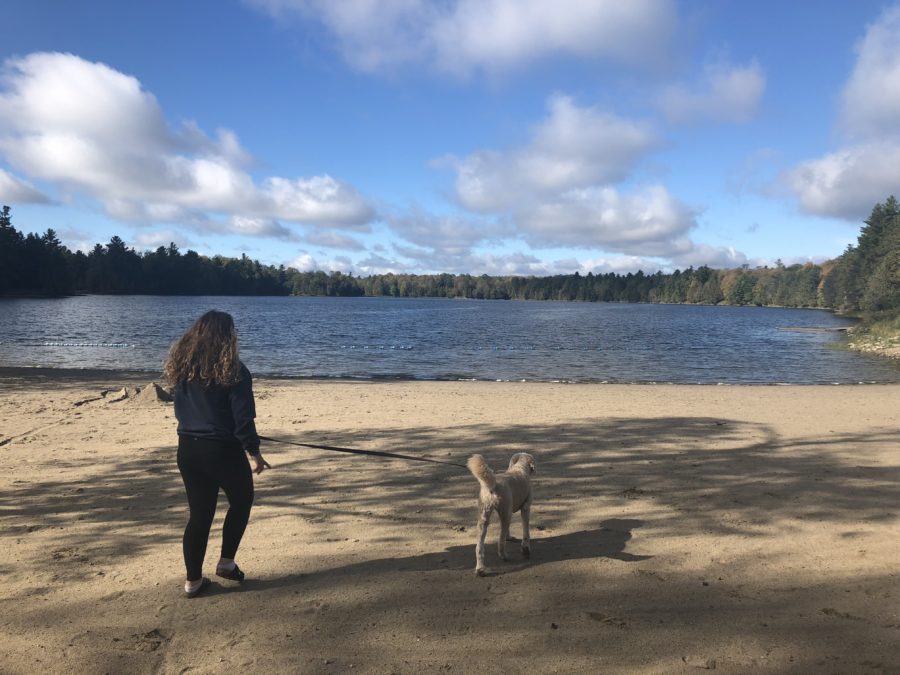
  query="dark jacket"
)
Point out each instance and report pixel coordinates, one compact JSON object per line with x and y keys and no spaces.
{"x":218,"y":413}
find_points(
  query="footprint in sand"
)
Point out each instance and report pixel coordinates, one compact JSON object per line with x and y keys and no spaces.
{"x":608,"y":620}
{"x":830,"y":611}
{"x":149,"y":641}
{"x":68,"y":554}
{"x":651,"y":574}
{"x":236,"y":640}
{"x":314,"y":607}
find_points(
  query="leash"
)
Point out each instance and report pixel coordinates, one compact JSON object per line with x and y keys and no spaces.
{"x":373,"y":453}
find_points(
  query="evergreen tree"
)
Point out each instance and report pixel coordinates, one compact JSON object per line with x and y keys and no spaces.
{"x":11,"y":249}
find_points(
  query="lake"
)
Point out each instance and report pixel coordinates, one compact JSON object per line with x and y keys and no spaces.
{"x":440,"y":339}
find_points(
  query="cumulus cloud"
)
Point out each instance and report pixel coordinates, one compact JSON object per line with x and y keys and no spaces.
{"x":414,"y":260}
{"x":378,"y":264}
{"x":649,"y":222}
{"x":560,"y":190}
{"x":725,"y":93}
{"x":453,"y":235}
{"x":305,"y":262}
{"x":573,"y":147}
{"x":505,"y":264}
{"x":17,"y":191}
{"x":870,"y":102}
{"x":620,"y":265}
{"x":259,"y":227}
{"x":91,"y":129}
{"x":76,"y":239}
{"x":521,"y":263}
{"x":462,"y":36}
{"x":722,"y":257}
{"x":332,"y":239}
{"x":849,"y":181}
{"x":155,"y":239}
{"x":525,"y":264}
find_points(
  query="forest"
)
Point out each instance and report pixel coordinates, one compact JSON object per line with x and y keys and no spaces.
{"x":865,"y":278}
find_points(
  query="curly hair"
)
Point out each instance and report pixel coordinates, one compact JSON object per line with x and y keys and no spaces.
{"x":206,"y":353}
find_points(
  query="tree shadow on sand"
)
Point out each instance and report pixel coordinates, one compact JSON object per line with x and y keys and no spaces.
{"x":688,"y":474}
{"x":617,"y":609}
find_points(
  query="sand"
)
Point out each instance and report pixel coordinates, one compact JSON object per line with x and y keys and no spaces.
{"x":676,"y":530}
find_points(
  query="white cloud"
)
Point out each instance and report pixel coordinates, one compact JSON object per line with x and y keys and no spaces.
{"x":725,"y":94}
{"x":619,"y":265}
{"x":17,"y":191}
{"x":308,"y":263}
{"x":649,"y":222}
{"x":331,"y":239}
{"x":849,"y":181}
{"x":76,"y":239}
{"x":514,"y":264}
{"x":155,"y":239}
{"x":451,"y":235}
{"x":523,"y":264}
{"x":377,"y":264}
{"x":93,"y":130}
{"x":720,"y":257}
{"x":499,"y":34}
{"x":126,"y":210}
{"x":559,"y":191}
{"x":462,"y":36}
{"x":259,"y":227}
{"x":573,"y":147}
{"x":413,"y":260}
{"x":870,"y":102}
{"x":320,"y":200}
{"x":304,"y":263}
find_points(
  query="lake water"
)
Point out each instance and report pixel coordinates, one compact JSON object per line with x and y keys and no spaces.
{"x":439,"y":339}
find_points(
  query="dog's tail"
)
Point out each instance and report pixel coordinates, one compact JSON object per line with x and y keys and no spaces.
{"x":482,"y":471}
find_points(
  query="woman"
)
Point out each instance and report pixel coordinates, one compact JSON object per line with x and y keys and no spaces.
{"x":215,"y":410}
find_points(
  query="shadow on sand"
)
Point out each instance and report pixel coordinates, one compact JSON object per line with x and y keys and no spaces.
{"x":676,"y":477}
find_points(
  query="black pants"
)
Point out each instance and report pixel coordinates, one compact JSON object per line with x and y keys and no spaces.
{"x":207,"y":465}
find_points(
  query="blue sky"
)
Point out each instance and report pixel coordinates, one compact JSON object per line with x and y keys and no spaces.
{"x":479,"y":136}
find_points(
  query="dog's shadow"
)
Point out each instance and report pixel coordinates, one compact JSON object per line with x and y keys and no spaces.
{"x":608,"y":540}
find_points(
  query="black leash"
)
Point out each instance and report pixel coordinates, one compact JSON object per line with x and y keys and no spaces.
{"x":374,"y":453}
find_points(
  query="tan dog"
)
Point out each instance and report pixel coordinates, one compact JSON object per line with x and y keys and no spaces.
{"x":506,"y":493}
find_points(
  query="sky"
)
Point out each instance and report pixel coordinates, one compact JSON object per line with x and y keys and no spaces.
{"x":528,"y":137}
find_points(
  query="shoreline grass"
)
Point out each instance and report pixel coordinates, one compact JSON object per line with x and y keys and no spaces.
{"x":877,"y":334}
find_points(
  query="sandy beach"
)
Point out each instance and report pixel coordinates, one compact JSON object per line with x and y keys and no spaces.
{"x":676,"y":529}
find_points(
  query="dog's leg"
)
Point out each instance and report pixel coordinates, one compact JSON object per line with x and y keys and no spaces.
{"x":505,"y":517}
{"x":526,"y":536}
{"x":484,"y":519}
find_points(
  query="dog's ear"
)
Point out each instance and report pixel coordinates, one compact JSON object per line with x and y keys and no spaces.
{"x":530,"y":466}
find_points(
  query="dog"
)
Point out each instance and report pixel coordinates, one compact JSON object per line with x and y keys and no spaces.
{"x":504,"y":493}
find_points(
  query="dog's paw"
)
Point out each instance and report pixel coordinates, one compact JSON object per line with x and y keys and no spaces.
{"x":526,"y":551}
{"x":481,"y":572}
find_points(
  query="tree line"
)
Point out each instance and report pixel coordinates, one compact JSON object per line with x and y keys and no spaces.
{"x":866,"y":277}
